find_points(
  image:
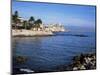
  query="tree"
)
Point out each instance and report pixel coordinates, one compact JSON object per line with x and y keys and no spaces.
{"x":15,"y":18}
{"x":25,"y":24}
{"x":37,"y":23}
{"x":31,"y":21}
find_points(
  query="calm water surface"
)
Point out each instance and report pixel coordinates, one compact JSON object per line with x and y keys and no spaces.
{"x":49,"y":52}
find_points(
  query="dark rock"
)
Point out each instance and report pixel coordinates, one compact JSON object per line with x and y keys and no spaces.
{"x":84,"y":62}
{"x":21,"y":59}
{"x":80,"y":62}
{"x":81,"y":35}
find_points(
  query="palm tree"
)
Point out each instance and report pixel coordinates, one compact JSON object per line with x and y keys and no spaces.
{"x":15,"y":18}
{"x":25,"y":24}
{"x":31,"y":21}
{"x":37,"y":23}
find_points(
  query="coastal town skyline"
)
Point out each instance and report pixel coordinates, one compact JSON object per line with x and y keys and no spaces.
{"x":77,"y":15}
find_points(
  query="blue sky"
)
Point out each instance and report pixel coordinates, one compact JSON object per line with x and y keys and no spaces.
{"x":73,"y":15}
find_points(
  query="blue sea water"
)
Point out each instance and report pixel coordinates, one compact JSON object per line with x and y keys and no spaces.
{"x":46,"y":53}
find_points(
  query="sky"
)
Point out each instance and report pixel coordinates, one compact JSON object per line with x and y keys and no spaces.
{"x":66,"y":14}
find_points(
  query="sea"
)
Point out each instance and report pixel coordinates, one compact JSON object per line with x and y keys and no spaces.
{"x":47,"y":53}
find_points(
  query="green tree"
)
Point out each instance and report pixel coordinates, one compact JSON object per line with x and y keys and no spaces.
{"x":31,"y":21}
{"x":25,"y":24}
{"x":15,"y":18}
{"x":37,"y":23}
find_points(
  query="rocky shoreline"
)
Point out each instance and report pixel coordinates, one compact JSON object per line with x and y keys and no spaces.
{"x":84,"y":62}
{"x":30,"y":33}
{"x":80,"y":62}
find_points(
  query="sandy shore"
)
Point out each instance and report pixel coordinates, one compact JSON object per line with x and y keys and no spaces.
{"x":31,"y":33}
